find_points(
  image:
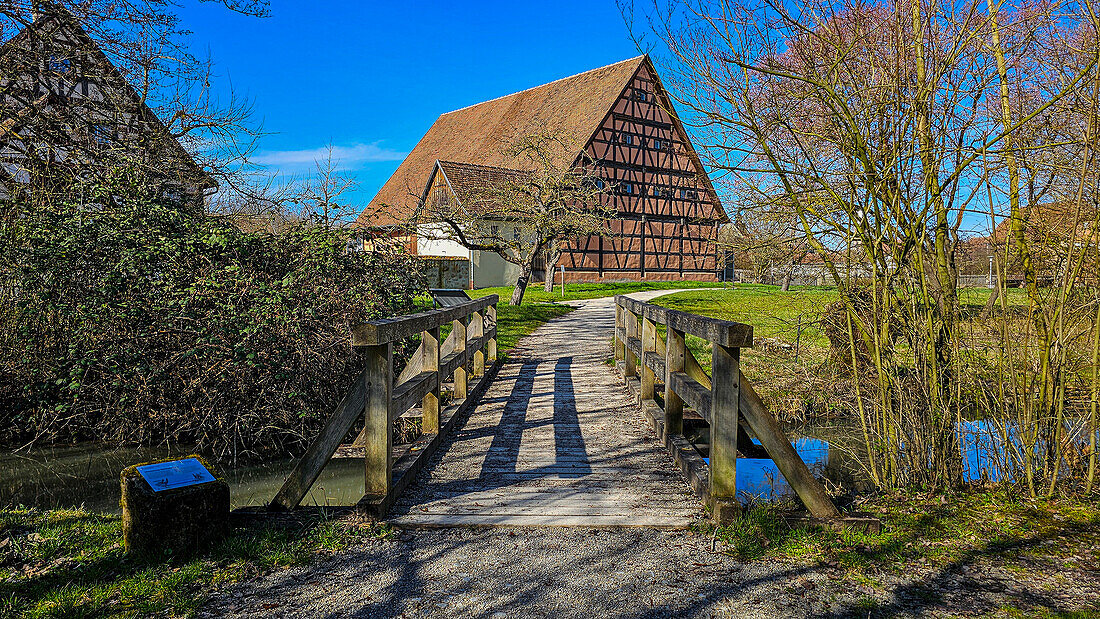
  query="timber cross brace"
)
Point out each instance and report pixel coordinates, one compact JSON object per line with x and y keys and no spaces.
{"x":470,"y":351}
{"x":725,"y":400}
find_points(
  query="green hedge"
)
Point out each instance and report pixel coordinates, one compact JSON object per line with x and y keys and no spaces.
{"x":126,"y":319}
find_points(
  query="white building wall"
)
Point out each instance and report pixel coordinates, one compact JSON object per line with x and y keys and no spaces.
{"x":487,"y":269}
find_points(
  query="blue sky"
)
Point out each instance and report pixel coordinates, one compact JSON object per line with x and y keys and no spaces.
{"x":371,"y":77}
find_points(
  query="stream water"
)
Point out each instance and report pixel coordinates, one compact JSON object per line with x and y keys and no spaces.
{"x":88,"y":475}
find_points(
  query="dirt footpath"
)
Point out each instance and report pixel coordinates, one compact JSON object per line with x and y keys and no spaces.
{"x":571,"y":572}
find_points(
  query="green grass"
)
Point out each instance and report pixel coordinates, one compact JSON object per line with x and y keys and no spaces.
{"x":514,"y":322}
{"x":938,"y":529}
{"x":536,"y":294}
{"x":66,"y":563}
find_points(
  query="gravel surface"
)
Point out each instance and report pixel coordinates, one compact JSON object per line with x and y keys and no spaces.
{"x":574,"y":572}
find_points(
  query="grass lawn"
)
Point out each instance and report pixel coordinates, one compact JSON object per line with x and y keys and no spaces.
{"x":70,"y":563}
{"x":787,"y":384}
{"x":939,"y":535}
{"x":536,"y":294}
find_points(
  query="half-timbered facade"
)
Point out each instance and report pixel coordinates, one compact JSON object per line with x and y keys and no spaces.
{"x":67,"y":110}
{"x":667,"y":210}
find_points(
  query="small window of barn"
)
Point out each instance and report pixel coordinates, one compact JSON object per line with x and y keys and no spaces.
{"x":641,"y":95}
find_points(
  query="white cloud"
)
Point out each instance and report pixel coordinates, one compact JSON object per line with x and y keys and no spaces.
{"x":347,"y":157}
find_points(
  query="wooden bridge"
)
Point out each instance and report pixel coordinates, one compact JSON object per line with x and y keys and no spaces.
{"x":554,"y":435}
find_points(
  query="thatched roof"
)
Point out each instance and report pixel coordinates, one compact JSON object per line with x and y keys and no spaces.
{"x":573,"y":107}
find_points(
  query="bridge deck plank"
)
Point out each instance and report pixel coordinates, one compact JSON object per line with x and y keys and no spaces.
{"x":556,"y":441}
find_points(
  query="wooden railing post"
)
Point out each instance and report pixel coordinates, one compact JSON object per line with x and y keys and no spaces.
{"x":725,"y":402}
{"x":461,"y":375}
{"x":675,"y":358}
{"x":620,"y":335}
{"x":491,"y":347}
{"x":478,"y":324}
{"x":649,"y":344}
{"x":378,"y":429}
{"x":631,"y":332}
{"x":429,"y":422}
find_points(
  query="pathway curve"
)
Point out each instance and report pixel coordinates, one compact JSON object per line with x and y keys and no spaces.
{"x":555,"y":441}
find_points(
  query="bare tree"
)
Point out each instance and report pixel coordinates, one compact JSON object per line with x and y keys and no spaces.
{"x":884,"y":126}
{"x":319,"y":197}
{"x":541,"y":203}
{"x":94,"y":85}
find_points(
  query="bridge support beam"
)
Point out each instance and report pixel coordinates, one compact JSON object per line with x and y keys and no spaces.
{"x":429,"y":343}
{"x":377,"y":425}
{"x":724,"y":415}
{"x":675,"y":350}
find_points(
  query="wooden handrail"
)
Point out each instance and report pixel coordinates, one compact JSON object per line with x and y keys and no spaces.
{"x":379,"y":398}
{"x":725,"y":400}
{"x":387,"y":330}
{"x":723,"y":332}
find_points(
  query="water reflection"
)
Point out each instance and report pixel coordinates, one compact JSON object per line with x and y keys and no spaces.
{"x":88,"y":475}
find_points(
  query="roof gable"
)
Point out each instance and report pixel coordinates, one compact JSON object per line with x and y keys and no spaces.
{"x":59,"y":26}
{"x":479,"y":134}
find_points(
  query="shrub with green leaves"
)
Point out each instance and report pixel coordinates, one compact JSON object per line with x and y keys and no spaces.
{"x":126,"y":319}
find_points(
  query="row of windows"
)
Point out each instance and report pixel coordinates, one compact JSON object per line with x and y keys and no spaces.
{"x":631,"y":189}
{"x":630,"y":139}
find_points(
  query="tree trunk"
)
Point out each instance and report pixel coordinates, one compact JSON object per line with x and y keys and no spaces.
{"x":521,"y":285}
{"x":551,"y":262}
{"x":786,"y":281}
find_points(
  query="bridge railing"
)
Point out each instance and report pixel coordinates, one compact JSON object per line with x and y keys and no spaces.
{"x":379,"y":398}
{"x":724,"y":399}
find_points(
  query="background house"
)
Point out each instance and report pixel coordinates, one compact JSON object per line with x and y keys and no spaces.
{"x":667,"y":210}
{"x":69,"y":113}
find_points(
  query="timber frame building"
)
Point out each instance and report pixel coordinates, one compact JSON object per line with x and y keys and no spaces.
{"x":668,"y":212}
{"x":67,"y":111}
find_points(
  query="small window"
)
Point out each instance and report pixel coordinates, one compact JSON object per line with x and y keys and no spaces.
{"x":660,"y":145}
{"x":101,"y":135}
{"x":60,"y":65}
{"x":641,"y":95}
{"x":600,"y":184}
{"x":627,"y":188}
{"x":494,"y":230}
{"x":626,"y":138}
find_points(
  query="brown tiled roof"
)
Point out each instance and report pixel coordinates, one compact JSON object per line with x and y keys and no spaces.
{"x":468,"y":180}
{"x":573,"y":107}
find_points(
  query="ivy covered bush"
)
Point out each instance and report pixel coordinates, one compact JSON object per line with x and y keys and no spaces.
{"x":131,"y":320}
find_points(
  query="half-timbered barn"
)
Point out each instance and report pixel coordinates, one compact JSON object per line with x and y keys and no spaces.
{"x":668,"y":213}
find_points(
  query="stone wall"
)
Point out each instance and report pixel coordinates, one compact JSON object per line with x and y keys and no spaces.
{"x":447,"y":272}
